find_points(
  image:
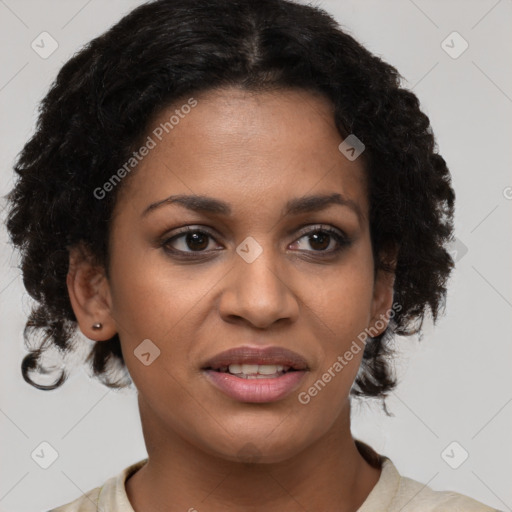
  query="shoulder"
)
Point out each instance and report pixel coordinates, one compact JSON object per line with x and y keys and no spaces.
{"x":396,"y":493}
{"x":412,"y":496}
{"x":407,"y":495}
{"x":109,"y":496}
{"x":88,"y":502}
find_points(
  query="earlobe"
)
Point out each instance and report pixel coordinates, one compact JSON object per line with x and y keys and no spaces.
{"x":89,"y":293}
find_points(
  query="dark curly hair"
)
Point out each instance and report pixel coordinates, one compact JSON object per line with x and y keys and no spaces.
{"x":105,"y":96}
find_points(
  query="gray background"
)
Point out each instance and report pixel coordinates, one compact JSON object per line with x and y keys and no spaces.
{"x":456,"y":382}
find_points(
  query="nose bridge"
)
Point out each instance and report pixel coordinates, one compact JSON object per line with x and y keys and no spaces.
{"x":257,"y":288}
{"x":259,"y":274}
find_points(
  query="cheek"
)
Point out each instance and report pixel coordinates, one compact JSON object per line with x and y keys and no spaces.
{"x":154,"y":300}
{"x":343,"y":301}
{"x":342,"y":319}
{"x":150,"y":296}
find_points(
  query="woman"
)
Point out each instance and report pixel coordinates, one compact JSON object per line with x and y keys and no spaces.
{"x":239,"y":204}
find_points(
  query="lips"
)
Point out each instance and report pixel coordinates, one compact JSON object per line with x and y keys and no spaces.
{"x":258,"y":375}
{"x":278,"y":356}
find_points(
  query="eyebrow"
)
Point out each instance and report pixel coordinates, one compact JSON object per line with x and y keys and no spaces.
{"x":306,"y":204}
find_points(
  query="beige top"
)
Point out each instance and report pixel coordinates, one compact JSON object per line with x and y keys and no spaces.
{"x":392,"y":493}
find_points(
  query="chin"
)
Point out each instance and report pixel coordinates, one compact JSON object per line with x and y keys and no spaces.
{"x":260,"y":448}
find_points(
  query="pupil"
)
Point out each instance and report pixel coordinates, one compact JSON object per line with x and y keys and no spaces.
{"x":194,"y":238}
{"x":323,"y":237}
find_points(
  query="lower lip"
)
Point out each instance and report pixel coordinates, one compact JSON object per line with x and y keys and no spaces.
{"x":256,"y":390}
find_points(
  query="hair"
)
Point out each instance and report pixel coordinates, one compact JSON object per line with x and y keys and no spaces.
{"x":106,"y":95}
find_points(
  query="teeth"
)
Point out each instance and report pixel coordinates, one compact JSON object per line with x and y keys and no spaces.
{"x":267,"y":369}
{"x":257,"y":371}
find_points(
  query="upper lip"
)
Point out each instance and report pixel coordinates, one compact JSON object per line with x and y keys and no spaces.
{"x":257,"y":355}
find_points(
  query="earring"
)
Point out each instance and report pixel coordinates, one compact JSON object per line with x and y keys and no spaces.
{"x":97,"y":326}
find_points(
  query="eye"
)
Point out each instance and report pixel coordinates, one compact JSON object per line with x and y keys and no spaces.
{"x":321,"y":239}
{"x":189,"y":240}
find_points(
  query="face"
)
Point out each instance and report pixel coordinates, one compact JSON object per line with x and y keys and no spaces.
{"x":261,"y":264}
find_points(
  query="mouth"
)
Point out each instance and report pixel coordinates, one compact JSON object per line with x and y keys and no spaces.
{"x":254,"y":371}
{"x":256,"y":362}
{"x":250,"y":374}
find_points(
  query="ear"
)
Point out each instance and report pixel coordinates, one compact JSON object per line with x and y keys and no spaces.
{"x":89,"y":293}
{"x":383,"y":292}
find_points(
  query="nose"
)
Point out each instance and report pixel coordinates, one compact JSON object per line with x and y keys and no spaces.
{"x":258,"y":292}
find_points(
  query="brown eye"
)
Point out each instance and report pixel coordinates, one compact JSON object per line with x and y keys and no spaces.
{"x":321,"y":239}
{"x":196,"y":241}
{"x":188,"y":240}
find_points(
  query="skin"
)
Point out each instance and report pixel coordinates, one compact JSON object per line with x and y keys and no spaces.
{"x":254,"y":151}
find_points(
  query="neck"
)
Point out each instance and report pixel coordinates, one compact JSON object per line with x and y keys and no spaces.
{"x":330,"y":474}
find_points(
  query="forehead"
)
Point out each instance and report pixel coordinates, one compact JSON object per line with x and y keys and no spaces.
{"x":248,"y":147}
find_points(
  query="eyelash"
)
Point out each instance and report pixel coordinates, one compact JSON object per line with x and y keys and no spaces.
{"x":341,"y":239}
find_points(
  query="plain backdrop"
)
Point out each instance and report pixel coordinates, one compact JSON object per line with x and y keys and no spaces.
{"x":455,"y":383}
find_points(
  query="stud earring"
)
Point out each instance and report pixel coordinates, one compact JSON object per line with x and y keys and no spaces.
{"x":97,"y":326}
